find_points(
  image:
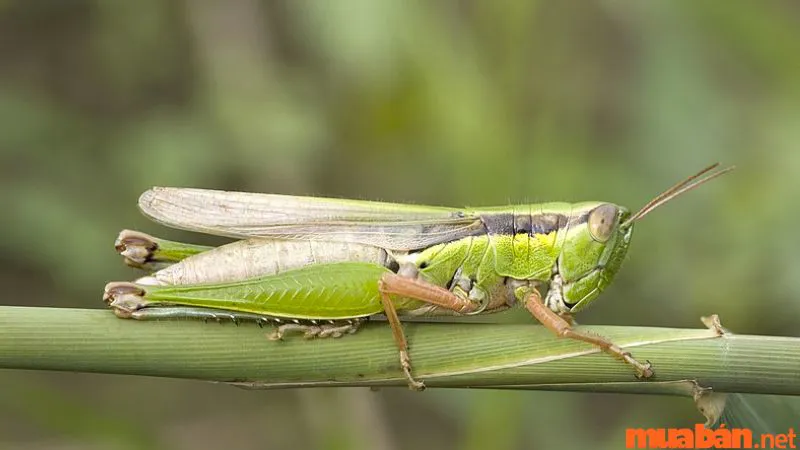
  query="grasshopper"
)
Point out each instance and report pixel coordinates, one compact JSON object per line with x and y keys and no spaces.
{"x":322,"y":266}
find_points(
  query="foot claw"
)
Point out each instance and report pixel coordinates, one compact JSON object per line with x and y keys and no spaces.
{"x":713,"y":323}
{"x":644,"y":371}
{"x":315,"y":331}
{"x":405,"y":363}
{"x":415,"y":385}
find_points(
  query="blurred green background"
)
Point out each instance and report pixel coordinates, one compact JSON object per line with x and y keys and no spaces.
{"x":450,"y":102}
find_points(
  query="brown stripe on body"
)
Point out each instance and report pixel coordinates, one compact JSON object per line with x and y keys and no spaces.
{"x":517,"y":223}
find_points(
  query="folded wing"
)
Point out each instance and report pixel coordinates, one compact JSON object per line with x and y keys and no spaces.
{"x":242,"y":214}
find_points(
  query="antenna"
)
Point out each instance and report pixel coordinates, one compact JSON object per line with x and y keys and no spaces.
{"x":684,"y":186}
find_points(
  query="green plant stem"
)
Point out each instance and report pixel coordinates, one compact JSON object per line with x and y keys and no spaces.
{"x":443,"y":354}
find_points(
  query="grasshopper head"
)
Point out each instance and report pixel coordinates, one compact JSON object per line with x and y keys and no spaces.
{"x":598,"y":236}
{"x":595,"y":246}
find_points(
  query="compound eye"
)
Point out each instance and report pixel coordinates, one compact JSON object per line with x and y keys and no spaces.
{"x":602,"y":221}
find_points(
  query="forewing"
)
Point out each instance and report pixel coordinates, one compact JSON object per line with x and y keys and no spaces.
{"x":243,"y":214}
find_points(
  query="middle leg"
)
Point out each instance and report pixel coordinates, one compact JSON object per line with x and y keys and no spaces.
{"x":393,"y":284}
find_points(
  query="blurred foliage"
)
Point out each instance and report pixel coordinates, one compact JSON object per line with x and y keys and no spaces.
{"x":452,"y":102}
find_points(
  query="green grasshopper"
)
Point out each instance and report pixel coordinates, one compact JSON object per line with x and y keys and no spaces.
{"x":321,"y":266}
